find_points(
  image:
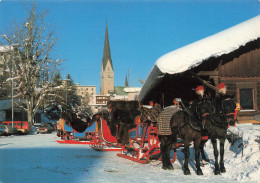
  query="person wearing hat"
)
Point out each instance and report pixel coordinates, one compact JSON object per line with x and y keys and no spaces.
{"x":200,"y":91}
{"x":218,"y":103}
{"x":222,"y":88}
{"x":221,"y":95}
{"x":200,"y":94}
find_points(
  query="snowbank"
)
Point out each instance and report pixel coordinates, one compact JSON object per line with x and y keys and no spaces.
{"x":38,"y":158}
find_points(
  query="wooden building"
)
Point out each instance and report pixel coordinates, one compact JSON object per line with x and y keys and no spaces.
{"x":242,"y":77}
{"x":231,"y":56}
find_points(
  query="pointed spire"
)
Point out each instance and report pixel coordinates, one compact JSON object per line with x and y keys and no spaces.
{"x":106,"y":51}
{"x":126,"y":82}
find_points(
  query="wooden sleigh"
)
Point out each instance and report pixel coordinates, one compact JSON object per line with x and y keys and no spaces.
{"x":104,"y":141}
{"x":144,"y":144}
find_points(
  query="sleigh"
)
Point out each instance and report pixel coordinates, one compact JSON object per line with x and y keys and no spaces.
{"x":144,"y":144}
{"x":69,"y":136}
{"x":103,"y":140}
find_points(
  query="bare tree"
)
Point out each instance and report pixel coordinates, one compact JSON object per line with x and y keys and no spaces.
{"x":31,"y":63}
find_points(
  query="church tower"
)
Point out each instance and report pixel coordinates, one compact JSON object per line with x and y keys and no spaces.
{"x":107,"y":71}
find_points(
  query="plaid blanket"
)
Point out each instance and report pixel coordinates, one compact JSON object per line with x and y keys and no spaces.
{"x":164,"y":120}
{"x":150,"y":114}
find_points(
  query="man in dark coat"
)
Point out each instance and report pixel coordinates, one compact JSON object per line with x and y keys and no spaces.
{"x":199,"y":97}
{"x":218,"y":103}
{"x":221,"y":95}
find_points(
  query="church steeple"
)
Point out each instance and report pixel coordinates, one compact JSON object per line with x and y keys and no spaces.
{"x":126,"y":82}
{"x":107,"y":71}
{"x":106,"y":51}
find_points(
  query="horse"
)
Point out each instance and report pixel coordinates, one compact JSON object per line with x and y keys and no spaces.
{"x":79,"y":125}
{"x":183,"y":125}
{"x":121,"y":118}
{"x":220,"y":120}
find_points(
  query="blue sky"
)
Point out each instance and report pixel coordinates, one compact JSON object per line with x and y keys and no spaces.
{"x":139,"y":31}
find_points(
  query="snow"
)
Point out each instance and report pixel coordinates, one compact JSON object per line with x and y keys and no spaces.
{"x":216,"y":45}
{"x":39,"y":158}
{"x":6,"y":48}
{"x":132,"y":89}
{"x":194,"y":54}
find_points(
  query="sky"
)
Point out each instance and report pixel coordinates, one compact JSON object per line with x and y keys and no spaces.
{"x":139,"y":31}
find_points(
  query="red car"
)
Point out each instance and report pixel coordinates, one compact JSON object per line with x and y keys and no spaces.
{"x":23,"y":127}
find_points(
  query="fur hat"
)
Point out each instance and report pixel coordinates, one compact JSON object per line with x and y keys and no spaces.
{"x":221,"y":86}
{"x":200,"y":89}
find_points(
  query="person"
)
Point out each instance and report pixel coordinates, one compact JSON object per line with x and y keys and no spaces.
{"x":200,"y":91}
{"x":222,"y":88}
{"x":198,"y":98}
{"x":218,"y":103}
{"x":200,"y":94}
{"x":151,"y":103}
{"x":176,"y":102}
{"x":220,"y":96}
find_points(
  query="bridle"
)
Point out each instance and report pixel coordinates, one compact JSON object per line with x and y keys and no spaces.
{"x":205,"y":114}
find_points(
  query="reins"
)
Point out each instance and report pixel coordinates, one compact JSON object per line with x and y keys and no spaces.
{"x":205,"y":114}
{"x":231,"y":113}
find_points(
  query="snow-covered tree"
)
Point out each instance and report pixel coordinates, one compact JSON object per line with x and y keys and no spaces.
{"x":53,"y":105}
{"x":72,"y":99}
{"x":32,"y":63}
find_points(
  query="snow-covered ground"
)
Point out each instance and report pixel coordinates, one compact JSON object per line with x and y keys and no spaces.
{"x":39,"y":158}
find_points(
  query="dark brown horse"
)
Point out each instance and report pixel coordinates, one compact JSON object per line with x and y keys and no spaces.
{"x":219,"y":121}
{"x":184,"y":126}
{"x":121,"y":118}
{"x":79,"y":125}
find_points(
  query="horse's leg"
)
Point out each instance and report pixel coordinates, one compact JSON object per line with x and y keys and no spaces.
{"x":221,"y":162}
{"x":203,"y":156}
{"x":165,"y":147}
{"x":186,"y":160}
{"x":197,"y":144}
{"x":214,"y":143}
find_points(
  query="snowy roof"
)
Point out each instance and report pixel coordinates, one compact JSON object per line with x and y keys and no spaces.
{"x":218,"y":44}
{"x":192,"y":55}
{"x":131,"y":89}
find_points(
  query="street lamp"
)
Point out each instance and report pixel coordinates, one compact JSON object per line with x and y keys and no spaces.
{"x":12,"y":48}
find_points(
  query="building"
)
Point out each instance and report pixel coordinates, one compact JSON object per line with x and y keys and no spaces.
{"x":231,"y":56}
{"x":108,"y":90}
{"x":86,"y":92}
{"x":107,"y":71}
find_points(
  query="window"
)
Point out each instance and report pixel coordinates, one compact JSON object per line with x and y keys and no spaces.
{"x":246,"y":98}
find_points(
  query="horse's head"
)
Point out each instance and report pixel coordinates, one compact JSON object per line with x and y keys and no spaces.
{"x":204,"y":110}
{"x":228,"y":109}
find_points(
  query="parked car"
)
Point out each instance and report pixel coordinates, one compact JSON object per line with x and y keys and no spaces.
{"x":23,"y":127}
{"x":46,"y":128}
{"x":7,"y":130}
